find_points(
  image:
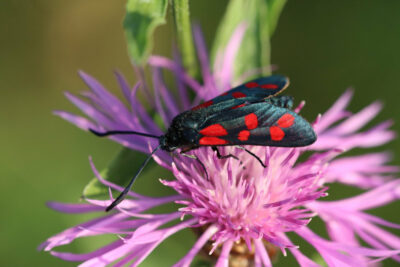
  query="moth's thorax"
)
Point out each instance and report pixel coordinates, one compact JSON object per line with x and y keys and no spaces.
{"x":183,"y":131}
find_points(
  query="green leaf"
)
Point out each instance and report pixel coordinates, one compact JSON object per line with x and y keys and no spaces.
{"x":261,"y":18}
{"x":275,"y":8}
{"x":119,"y":171}
{"x":183,"y":28}
{"x":141,"y":19}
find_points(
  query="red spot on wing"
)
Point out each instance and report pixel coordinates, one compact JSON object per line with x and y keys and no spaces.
{"x":203,"y":105}
{"x":210,"y":141}
{"x":286,"y":120}
{"x":276,"y":133}
{"x":269,"y":86}
{"x":251,"y":121}
{"x":214,"y":130}
{"x":244,"y":135}
{"x":238,"y":106}
{"x":238,"y":95}
{"x":251,"y":85}
{"x":226,"y":93}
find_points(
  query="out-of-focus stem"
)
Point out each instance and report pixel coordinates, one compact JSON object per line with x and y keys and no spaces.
{"x":184,"y":34}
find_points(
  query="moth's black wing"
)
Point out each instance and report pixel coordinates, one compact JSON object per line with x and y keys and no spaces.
{"x":252,"y":91}
{"x":260,"y":123}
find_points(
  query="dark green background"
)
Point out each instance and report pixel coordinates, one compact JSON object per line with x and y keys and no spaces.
{"x":323,"y":46}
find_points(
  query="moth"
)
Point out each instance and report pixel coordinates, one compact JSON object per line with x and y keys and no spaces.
{"x":249,"y":114}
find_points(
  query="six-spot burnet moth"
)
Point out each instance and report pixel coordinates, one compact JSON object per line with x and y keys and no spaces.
{"x":250,"y":114}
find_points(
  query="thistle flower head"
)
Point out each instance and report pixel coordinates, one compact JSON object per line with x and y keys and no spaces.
{"x":231,"y":201}
{"x":247,"y":201}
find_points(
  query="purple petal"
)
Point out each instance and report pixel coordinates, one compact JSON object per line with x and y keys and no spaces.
{"x":380,"y":221}
{"x":159,"y":61}
{"x":90,"y":111}
{"x":111,"y":256}
{"x":141,"y":112}
{"x":226,"y":72}
{"x":180,"y":81}
{"x":364,"y":171}
{"x":380,"y":196}
{"x":73,"y":208}
{"x":79,"y":121}
{"x":160,"y":109}
{"x":110,"y":102}
{"x":341,"y":233}
{"x":331,"y":116}
{"x":80,"y":230}
{"x":379,"y":234}
{"x":172,"y":106}
{"x":187,"y":260}
{"x":300,"y":106}
{"x":262,"y":253}
{"x":167,"y":232}
{"x":355,"y":122}
{"x":82,"y":257}
{"x":335,"y":246}
{"x":123,"y":84}
{"x":223,"y":259}
{"x":123,"y":262}
{"x":209,"y":82}
{"x":144,"y":88}
{"x":302,"y":259}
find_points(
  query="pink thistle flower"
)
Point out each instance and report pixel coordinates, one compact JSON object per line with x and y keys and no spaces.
{"x":240,"y":204}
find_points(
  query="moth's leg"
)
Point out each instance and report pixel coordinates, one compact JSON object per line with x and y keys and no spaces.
{"x":252,"y":154}
{"x":187,"y":155}
{"x":196,"y":158}
{"x":214,"y":148}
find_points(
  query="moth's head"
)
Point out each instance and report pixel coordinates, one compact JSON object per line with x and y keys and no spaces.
{"x":179,"y":135}
{"x":168,"y":142}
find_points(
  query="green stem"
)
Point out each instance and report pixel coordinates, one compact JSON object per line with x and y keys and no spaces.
{"x":264,"y":42}
{"x":184,"y":34}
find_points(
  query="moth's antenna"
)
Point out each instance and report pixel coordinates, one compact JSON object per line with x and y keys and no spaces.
{"x":128,"y":187}
{"x":102,"y":134}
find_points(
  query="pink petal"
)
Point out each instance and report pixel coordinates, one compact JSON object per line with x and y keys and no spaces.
{"x":223,"y":259}
{"x":226,"y":71}
{"x":331,"y":116}
{"x":262,"y":253}
{"x":73,"y":208}
{"x":209,"y":82}
{"x":79,"y":121}
{"x":82,"y":257}
{"x":356,"y":121}
{"x":187,"y":260}
{"x":169,"y":64}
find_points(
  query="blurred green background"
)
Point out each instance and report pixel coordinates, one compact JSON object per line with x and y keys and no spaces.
{"x":323,"y":46}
